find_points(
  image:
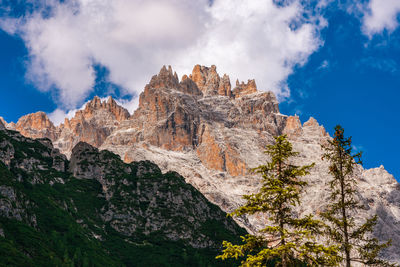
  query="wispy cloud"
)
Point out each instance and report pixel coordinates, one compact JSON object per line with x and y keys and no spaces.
{"x":357,"y":148}
{"x":381,"y":64}
{"x":324,"y":65}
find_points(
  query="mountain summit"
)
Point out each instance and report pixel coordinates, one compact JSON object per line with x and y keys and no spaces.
{"x":212,"y":134}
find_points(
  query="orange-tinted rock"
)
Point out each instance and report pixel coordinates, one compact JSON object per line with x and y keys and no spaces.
{"x":170,"y":114}
{"x":209,"y":82}
{"x":199,"y":76}
{"x":165,"y":79}
{"x":224,"y":87}
{"x":242,"y":89}
{"x":127,"y":158}
{"x":92,"y":125}
{"x":36,"y":125}
{"x":233,"y":163}
{"x":110,"y":105}
{"x":189,"y":87}
{"x":311,"y":123}
{"x":259,"y":112}
{"x":3,"y":122}
{"x":209,"y":151}
{"x":293,"y":126}
{"x":220,"y":156}
{"x":162,"y":119}
{"x":314,"y":125}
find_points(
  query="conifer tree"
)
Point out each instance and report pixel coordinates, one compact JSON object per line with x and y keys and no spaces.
{"x":356,"y":243}
{"x":287,"y":239}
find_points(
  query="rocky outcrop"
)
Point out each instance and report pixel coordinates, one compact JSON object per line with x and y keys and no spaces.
{"x":209,"y":81}
{"x":10,"y":126}
{"x":36,"y":125}
{"x":97,"y":197}
{"x":293,"y":126}
{"x":93,"y":125}
{"x":242,"y":88}
{"x":142,"y":198}
{"x":110,"y":105}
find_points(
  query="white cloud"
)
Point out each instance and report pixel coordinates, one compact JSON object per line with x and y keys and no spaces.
{"x":58,"y":115}
{"x":253,"y":39}
{"x":381,"y":15}
{"x":324,"y":65}
{"x":134,"y":38}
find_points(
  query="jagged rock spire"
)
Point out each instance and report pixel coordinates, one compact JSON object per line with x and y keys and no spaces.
{"x":110,"y":105}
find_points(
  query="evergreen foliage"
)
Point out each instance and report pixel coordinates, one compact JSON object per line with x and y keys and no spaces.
{"x":356,"y":243}
{"x":61,"y":224}
{"x":287,"y":240}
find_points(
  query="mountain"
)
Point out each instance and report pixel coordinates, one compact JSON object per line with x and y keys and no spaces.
{"x":213,"y":133}
{"x":95,"y":210}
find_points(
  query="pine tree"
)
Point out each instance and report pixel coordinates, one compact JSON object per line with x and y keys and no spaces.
{"x":286,"y":240}
{"x":355,"y":241}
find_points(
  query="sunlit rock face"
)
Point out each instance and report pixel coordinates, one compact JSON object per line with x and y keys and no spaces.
{"x":36,"y":125}
{"x":93,"y":125}
{"x":213,"y":134}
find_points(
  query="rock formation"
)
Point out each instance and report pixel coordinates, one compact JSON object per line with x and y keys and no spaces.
{"x":65,"y":208}
{"x":212,"y":135}
{"x":36,"y":125}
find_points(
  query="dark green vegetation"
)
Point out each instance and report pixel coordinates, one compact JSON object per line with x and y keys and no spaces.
{"x":288,"y":239}
{"x":98,"y":211}
{"x":355,"y":241}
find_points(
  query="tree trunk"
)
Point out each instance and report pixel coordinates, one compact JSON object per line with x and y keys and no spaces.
{"x":344,"y":215}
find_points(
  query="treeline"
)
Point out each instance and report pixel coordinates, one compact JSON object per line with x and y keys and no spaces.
{"x":291,"y":240}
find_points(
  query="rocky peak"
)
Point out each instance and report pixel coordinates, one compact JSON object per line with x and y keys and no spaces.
{"x":37,"y":121}
{"x":313,"y":127}
{"x":188,"y":86}
{"x":36,"y":125}
{"x":209,"y":82}
{"x":165,"y":79}
{"x":311,"y":123}
{"x":310,"y":128}
{"x":293,"y":126}
{"x":224,"y":87}
{"x":110,"y":105}
{"x":242,"y":88}
{"x":93,"y":124}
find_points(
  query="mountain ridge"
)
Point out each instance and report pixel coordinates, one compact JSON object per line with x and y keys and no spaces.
{"x":95,"y":210}
{"x":212,"y":135}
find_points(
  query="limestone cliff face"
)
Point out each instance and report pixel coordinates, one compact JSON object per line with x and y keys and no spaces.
{"x":212,"y":135}
{"x":167,"y":116}
{"x":191,"y":115}
{"x":93,"y":124}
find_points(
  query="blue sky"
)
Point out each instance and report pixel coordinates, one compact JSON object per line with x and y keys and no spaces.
{"x":337,"y":61}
